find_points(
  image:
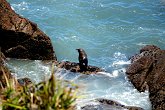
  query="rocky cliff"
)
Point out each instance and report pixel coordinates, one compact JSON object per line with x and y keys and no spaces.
{"x":21,"y":38}
{"x":147,"y":72}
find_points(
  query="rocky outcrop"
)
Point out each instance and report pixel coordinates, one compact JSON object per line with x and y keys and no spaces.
{"x":147,"y":71}
{"x":106,"y":104}
{"x":74,"y":67}
{"x":21,"y":38}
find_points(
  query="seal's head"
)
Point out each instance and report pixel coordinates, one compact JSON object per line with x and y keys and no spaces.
{"x":80,"y":50}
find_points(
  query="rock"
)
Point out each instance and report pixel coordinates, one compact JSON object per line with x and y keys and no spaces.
{"x":133,"y":108}
{"x":147,"y":71}
{"x":24,"y":81}
{"x":21,"y":38}
{"x":106,"y":104}
{"x":74,"y":67}
{"x":2,"y":58}
{"x":109,"y":102}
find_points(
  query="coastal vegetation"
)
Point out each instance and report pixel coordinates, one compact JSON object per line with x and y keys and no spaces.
{"x":52,"y":94}
{"x":110,"y":30}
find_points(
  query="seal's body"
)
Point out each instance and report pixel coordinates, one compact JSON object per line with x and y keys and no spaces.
{"x":83,"y":60}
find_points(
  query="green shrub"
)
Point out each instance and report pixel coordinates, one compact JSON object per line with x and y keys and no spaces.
{"x":48,"y":95}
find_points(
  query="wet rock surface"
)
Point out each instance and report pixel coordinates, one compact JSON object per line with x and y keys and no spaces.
{"x":106,"y":104}
{"x":24,"y":81}
{"x":147,"y":72}
{"x":74,"y":67}
{"x":21,"y":38}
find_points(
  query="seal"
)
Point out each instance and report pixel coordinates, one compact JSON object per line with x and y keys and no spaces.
{"x":83,"y":60}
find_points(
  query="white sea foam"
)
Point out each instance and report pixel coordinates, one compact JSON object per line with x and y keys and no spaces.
{"x":115,"y":73}
{"x":121,"y":62}
{"x":20,"y":6}
{"x":12,"y":7}
{"x":112,"y":86}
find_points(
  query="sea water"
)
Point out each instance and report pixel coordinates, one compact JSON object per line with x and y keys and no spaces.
{"x":110,"y":31}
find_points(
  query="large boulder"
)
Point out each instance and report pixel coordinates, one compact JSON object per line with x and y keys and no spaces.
{"x":147,"y":72}
{"x":21,"y":38}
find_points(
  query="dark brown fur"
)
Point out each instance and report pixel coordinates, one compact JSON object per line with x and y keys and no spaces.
{"x":83,"y":60}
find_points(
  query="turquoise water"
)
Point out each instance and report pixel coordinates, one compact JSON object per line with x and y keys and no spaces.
{"x":110,"y":31}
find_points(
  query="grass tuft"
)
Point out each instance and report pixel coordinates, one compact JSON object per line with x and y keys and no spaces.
{"x":47,"y":95}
